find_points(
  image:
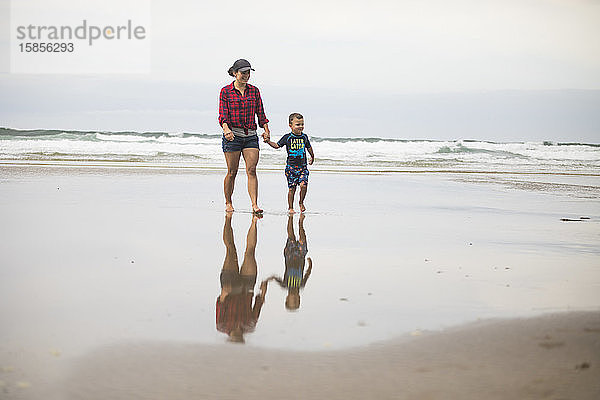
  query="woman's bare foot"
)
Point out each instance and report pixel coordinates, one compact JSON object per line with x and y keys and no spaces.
{"x":302,"y":208}
{"x":291,"y":211}
{"x":229,"y":207}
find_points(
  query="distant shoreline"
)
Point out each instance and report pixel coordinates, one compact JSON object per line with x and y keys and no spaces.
{"x":46,"y":132}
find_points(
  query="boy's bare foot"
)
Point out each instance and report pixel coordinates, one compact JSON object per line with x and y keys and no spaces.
{"x":302,"y":208}
{"x":229,"y":207}
{"x":291,"y":211}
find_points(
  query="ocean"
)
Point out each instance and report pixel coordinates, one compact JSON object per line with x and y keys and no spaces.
{"x":332,"y":154}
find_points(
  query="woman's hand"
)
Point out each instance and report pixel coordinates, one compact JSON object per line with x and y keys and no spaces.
{"x":228,"y":134}
{"x":266,"y":134}
{"x":263,"y":288}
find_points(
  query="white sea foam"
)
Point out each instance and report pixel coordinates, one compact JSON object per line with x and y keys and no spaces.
{"x":333,"y":153}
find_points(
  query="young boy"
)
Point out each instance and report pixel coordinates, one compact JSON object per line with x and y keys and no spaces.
{"x":296,"y":170}
{"x":294,"y":253}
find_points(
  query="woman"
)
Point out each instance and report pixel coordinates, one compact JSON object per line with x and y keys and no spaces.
{"x":239,"y":102}
{"x":234,"y":310}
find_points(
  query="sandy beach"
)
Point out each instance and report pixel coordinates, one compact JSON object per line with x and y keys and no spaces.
{"x":424,"y":286}
{"x":554,"y":357}
{"x":450,"y":244}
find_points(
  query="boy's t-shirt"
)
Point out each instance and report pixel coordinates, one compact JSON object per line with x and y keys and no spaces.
{"x":295,"y":146}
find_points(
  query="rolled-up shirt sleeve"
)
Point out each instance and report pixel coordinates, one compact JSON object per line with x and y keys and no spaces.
{"x":223,"y":108}
{"x":260,"y":111}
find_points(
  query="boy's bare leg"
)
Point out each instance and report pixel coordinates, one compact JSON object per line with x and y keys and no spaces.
{"x":291,"y":194}
{"x":233,"y":161}
{"x":231,"y":260}
{"x":301,"y":231}
{"x":249,"y":263}
{"x":303,"y":189}
{"x":251,"y":158}
{"x":290,"y":228}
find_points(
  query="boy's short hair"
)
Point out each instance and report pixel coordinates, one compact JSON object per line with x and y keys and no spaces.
{"x":295,"y":115}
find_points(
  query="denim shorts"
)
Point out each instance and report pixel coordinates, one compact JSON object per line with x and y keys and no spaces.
{"x":239,"y":143}
{"x":239,"y":283}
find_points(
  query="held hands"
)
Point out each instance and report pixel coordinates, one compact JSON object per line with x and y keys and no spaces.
{"x":266,"y":135}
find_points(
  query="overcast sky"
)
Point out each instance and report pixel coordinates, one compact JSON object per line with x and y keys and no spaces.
{"x":494,"y":70}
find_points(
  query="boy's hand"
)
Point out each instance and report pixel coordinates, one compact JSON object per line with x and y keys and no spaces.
{"x":310,"y":160}
{"x":228,"y":135}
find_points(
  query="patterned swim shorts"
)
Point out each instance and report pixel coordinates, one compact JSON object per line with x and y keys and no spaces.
{"x":296,"y":174}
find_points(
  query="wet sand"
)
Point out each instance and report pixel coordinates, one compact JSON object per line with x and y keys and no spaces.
{"x":549,"y":357}
{"x":110,"y":275}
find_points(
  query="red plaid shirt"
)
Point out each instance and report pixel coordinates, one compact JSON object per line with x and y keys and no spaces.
{"x":238,"y":111}
{"x":237,"y":311}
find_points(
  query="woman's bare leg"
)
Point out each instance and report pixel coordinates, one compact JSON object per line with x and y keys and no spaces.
{"x":233,"y":161}
{"x":249,"y":263}
{"x":231,"y":259}
{"x":251,"y":158}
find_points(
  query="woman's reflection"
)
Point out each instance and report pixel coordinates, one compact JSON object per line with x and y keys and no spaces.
{"x":235,"y":313}
{"x":294,"y":253}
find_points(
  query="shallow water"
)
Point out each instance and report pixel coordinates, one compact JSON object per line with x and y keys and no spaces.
{"x":92,"y":257}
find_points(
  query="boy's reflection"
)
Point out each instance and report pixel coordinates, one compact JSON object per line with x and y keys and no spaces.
{"x":235,"y":313}
{"x":294,"y":253}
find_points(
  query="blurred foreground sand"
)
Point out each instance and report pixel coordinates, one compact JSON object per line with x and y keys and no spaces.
{"x":553,"y":357}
